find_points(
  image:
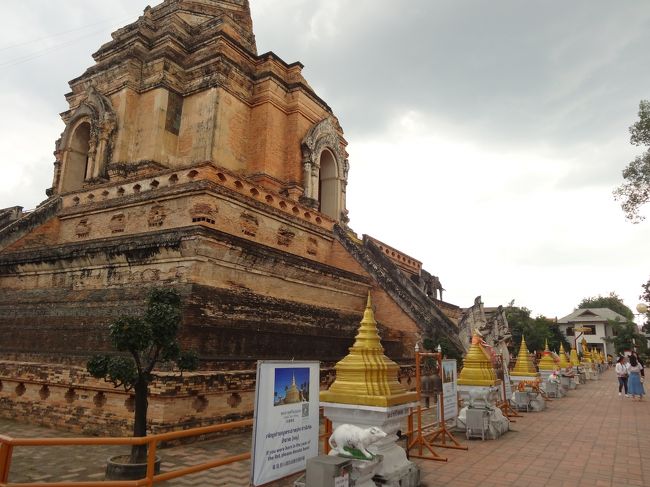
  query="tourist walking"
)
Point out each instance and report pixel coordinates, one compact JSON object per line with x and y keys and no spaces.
{"x":634,"y":385}
{"x":621,"y":373}
{"x":638,"y":359}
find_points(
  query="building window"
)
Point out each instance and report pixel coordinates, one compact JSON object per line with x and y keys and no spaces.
{"x":174,"y":113}
{"x":589,"y":329}
{"x":328,"y":185}
{"x":76,"y":166}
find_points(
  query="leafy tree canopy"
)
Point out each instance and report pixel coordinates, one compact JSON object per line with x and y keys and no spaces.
{"x":535,"y":330}
{"x":635,"y":190}
{"x":448,"y":349}
{"x":613,"y":302}
{"x":627,"y":337}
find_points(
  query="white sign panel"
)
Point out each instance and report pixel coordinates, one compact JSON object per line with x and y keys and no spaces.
{"x":343,"y":481}
{"x":450,"y":389}
{"x":506,"y":380}
{"x":285,"y":430}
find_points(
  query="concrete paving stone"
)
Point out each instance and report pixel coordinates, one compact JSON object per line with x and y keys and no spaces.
{"x":591,"y":437}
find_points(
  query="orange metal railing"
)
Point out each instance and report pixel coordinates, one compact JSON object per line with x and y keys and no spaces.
{"x":7,"y":445}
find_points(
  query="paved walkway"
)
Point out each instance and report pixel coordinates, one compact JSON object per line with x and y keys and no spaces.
{"x":590,"y":438}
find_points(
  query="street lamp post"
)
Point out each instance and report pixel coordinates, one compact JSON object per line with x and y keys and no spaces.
{"x":642,"y":309}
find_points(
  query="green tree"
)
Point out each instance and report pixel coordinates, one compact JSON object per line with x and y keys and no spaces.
{"x":448,"y":349}
{"x":518,"y":320}
{"x":536,"y":330}
{"x":613,"y":302}
{"x":554,"y":335}
{"x":635,"y":190}
{"x":143,"y":341}
{"x":627,"y":337}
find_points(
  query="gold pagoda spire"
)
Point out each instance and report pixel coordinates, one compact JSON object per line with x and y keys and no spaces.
{"x":586,"y":354}
{"x":478,"y":369}
{"x":547,"y":362}
{"x":524,"y":366}
{"x":293,"y":394}
{"x":574,"y":356}
{"x":595,"y":355}
{"x":366,"y":376}
{"x":564,"y":363}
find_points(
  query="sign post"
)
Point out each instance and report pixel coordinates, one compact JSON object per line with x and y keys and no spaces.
{"x":448,"y":408}
{"x":581,"y":330}
{"x":285,"y":426}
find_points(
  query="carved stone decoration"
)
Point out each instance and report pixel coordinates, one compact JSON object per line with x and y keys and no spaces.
{"x":204,"y":212}
{"x":325,"y":135}
{"x":249,"y":224}
{"x":200,"y":403}
{"x":44,"y":392}
{"x":312,"y":246}
{"x":83,"y":228}
{"x":157,"y":216}
{"x":129,"y":404}
{"x":234,"y":400}
{"x":97,"y":111}
{"x":70,"y":395}
{"x":117,"y":223}
{"x":99,"y":399}
{"x":285,"y":236}
{"x":432,"y":286}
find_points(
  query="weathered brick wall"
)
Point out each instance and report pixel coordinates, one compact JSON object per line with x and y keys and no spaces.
{"x":67,"y":397}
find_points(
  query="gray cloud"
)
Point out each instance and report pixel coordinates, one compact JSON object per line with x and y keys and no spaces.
{"x":550,"y":85}
{"x":509,"y":71}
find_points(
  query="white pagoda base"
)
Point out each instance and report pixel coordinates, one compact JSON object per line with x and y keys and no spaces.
{"x":394,"y":470}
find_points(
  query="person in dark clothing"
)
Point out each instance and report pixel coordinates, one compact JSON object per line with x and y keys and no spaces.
{"x":621,"y":373}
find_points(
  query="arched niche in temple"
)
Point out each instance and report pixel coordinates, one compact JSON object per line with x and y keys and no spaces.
{"x":329,"y":191}
{"x":85,"y":147}
{"x":325,"y":170}
{"x":77,"y":157}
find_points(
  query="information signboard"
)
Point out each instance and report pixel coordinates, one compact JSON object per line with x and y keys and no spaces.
{"x":450,"y":388}
{"x":285,"y":430}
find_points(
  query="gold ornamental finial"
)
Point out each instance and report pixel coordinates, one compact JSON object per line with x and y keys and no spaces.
{"x":524,"y":366}
{"x":477,"y":366}
{"x":595,"y":355}
{"x":366,"y":376}
{"x":586,"y":354}
{"x":564,"y":363}
{"x":574,"y":356}
{"x":547,"y":362}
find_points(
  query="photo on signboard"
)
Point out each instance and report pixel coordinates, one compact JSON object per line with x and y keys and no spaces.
{"x":291,"y":386}
{"x":449,"y":368}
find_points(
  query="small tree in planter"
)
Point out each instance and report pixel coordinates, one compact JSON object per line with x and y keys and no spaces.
{"x":146,"y":341}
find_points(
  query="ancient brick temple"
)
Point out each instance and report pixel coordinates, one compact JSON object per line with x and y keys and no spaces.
{"x":190,"y":160}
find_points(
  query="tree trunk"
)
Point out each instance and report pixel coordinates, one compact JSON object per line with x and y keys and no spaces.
{"x":139,"y":452}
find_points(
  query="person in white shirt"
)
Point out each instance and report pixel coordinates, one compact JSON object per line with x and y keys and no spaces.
{"x":621,"y":373}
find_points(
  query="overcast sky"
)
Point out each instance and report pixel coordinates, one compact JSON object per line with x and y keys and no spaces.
{"x":485,"y":138}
